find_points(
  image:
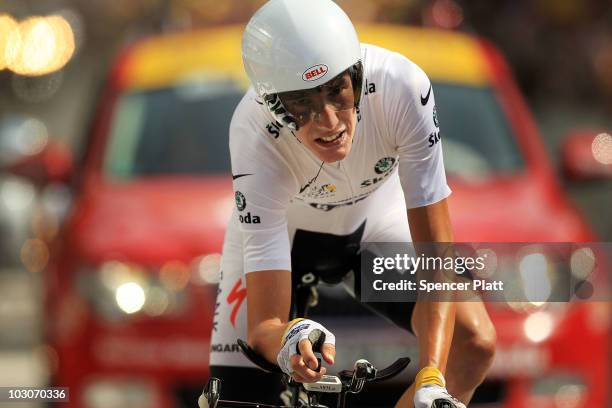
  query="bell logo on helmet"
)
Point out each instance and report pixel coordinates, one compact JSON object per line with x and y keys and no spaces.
{"x":315,"y":72}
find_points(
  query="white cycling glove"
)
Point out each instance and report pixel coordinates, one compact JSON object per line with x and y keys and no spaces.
{"x":430,"y":386}
{"x":298,"y":330}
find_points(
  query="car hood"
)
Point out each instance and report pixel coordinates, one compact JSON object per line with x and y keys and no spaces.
{"x":154,"y":220}
{"x":513,"y":209}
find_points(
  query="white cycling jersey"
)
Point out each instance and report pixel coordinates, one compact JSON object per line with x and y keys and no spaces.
{"x":397,"y":128}
{"x":395,"y":163}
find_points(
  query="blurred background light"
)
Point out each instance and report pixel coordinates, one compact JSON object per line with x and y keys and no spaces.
{"x":538,"y":326}
{"x":534,"y":277}
{"x":8,"y":26}
{"x":602,"y":148}
{"x":77,"y":24}
{"x":16,"y":195}
{"x":157,"y":301}
{"x":41,"y":45}
{"x":446,"y":14}
{"x":208,"y":269}
{"x":130,"y":297}
{"x":174,"y":275}
{"x":582,"y":263}
{"x":490,"y":263}
{"x":118,"y":394}
{"x":570,"y":396}
{"x":35,"y":255}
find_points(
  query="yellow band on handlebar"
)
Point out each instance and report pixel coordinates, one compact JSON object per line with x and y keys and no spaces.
{"x":289,"y":326}
{"x":429,"y":376}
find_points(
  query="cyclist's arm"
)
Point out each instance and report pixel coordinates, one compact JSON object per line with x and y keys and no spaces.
{"x":268,"y":300}
{"x":431,"y":223}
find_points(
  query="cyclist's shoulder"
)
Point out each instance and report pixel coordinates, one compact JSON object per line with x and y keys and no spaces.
{"x":250,"y":113}
{"x":395,"y":77}
{"x":252,"y":128}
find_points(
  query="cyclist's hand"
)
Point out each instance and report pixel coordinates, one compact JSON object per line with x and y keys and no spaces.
{"x":430,"y":389}
{"x":296,"y":356}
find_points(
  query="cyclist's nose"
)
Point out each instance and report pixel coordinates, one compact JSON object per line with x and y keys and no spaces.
{"x":327,"y":117}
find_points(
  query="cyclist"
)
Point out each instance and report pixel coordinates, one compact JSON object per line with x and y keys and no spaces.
{"x":330,"y":148}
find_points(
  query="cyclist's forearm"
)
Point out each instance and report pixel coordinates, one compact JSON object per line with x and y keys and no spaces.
{"x":268,"y":301}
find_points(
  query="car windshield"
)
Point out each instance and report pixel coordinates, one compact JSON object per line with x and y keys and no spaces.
{"x":477,"y":139}
{"x":184,"y":130}
{"x":179,"y":130}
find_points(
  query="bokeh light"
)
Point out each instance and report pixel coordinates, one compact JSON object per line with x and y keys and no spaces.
{"x":35,"y":255}
{"x":16,"y":195}
{"x":130,"y":297}
{"x":41,"y":45}
{"x":208,"y":269}
{"x":534,"y":276}
{"x":174,"y":275}
{"x":582,"y":263}
{"x":8,"y":26}
{"x":602,"y":148}
{"x":157,"y":301}
{"x":538,"y":326}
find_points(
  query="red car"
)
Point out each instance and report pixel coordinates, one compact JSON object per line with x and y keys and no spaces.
{"x":131,"y":291}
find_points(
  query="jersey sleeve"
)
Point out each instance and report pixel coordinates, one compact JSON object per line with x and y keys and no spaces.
{"x":263,"y":186}
{"x":413,"y":127}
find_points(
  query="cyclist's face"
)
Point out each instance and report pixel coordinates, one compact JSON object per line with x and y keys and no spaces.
{"x":326,"y":118}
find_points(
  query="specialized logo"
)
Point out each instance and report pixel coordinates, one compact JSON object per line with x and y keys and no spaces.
{"x":384,"y":164}
{"x":240,"y":201}
{"x":237,"y":176}
{"x":434,"y":137}
{"x":425,"y":99}
{"x":315,"y":72}
{"x":274,"y":129}
{"x":435,"y":117}
{"x":237,"y":295}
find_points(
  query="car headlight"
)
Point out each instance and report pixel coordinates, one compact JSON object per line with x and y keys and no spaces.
{"x":118,"y":394}
{"x":565,"y":390}
{"x":117,"y":289}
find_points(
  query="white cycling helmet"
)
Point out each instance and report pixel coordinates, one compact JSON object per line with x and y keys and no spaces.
{"x":291,"y":45}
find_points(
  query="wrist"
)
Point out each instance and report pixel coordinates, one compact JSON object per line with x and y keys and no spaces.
{"x":288,"y":327}
{"x":429,"y":376}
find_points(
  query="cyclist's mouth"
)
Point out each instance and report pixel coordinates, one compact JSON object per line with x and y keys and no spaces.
{"x":331,"y":141}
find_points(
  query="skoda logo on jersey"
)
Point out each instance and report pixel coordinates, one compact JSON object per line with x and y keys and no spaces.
{"x":384,"y":165}
{"x":240,"y":201}
{"x":315,"y":72}
{"x":435,"y":117}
